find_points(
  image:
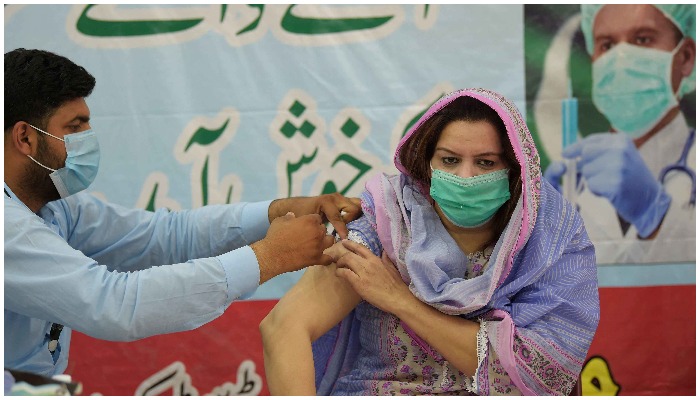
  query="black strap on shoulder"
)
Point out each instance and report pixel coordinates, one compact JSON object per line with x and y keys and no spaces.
{"x":6,"y":194}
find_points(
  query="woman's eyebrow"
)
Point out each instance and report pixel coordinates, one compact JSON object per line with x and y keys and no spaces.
{"x":489,"y":153}
{"x":446,"y":150}
{"x":484,"y":154}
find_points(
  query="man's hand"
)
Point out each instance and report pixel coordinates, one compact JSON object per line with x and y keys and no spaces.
{"x":292,"y":243}
{"x":614,"y":169}
{"x":554,"y":172}
{"x":334,"y":208}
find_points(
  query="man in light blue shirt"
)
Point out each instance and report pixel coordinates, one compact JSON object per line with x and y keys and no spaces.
{"x":73,"y":261}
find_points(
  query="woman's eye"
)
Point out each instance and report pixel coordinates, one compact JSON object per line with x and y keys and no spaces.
{"x":486,"y":163}
{"x":450,"y":160}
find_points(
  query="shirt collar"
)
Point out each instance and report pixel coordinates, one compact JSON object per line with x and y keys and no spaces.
{"x":9,"y":193}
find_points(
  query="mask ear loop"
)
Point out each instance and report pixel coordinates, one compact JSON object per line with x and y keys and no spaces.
{"x":43,"y":131}
{"x":55,"y":137}
{"x":32,"y":158}
{"x":674,"y":52}
{"x":432,"y":200}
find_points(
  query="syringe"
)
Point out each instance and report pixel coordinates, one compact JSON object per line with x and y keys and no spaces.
{"x":569,"y":132}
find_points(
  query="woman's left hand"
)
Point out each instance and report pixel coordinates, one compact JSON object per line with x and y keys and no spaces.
{"x":375,"y":279}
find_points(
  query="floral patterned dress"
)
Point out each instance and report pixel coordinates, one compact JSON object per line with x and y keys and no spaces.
{"x":400,"y":363}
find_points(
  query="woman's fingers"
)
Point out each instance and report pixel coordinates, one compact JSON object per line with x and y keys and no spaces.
{"x":357,"y":248}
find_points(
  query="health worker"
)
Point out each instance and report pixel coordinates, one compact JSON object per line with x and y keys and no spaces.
{"x":73,"y":261}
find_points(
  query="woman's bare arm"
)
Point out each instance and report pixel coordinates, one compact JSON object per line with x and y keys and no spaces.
{"x":308,"y":310}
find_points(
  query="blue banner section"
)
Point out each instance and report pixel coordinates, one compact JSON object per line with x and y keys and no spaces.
{"x":215,"y":104}
{"x":212,"y":104}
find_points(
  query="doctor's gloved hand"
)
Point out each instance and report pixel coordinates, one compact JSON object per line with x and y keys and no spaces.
{"x":614,"y":169}
{"x":555,"y":170}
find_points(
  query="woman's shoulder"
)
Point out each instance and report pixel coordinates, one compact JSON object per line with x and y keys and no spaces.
{"x":558,"y":221}
{"x":554,"y":205}
{"x":363,"y":232}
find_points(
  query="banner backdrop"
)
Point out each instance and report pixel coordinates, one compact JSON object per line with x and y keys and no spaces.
{"x":214,"y":104}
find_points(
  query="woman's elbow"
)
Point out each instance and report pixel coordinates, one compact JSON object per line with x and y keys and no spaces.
{"x":276,"y":325}
{"x":269,"y":326}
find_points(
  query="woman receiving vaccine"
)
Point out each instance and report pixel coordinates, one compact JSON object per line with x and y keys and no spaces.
{"x":467,"y":274}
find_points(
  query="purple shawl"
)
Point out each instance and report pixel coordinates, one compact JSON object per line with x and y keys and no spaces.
{"x":538,"y":299}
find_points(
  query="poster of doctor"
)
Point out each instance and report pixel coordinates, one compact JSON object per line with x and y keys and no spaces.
{"x":636,"y":182}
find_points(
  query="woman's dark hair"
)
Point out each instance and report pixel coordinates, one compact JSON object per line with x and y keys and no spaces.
{"x":38,"y":82}
{"x":416,"y":153}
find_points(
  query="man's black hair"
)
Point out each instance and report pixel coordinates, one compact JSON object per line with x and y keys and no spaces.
{"x":38,"y":82}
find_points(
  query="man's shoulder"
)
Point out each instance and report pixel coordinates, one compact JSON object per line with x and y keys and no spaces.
{"x":76,"y":202}
{"x":19,"y":219}
{"x":14,"y":210}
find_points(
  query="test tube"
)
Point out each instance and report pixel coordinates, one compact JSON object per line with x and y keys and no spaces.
{"x":569,"y":128}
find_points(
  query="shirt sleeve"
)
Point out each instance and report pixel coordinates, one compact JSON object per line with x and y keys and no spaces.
{"x":126,"y":239}
{"x":46,"y":278}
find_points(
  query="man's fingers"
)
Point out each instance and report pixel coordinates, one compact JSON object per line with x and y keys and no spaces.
{"x":353,"y":210}
{"x":315,"y":218}
{"x":340,"y":211}
{"x":327,"y":242}
{"x":333,"y":213}
{"x":555,"y":170}
{"x":573,"y":150}
{"x":338,"y":225}
{"x":325,"y":260}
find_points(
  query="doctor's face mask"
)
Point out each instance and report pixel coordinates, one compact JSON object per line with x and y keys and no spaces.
{"x":632,"y":87}
{"x":82,"y":162}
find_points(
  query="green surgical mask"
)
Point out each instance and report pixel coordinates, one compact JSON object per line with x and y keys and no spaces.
{"x":632,"y":87}
{"x":470,"y":202}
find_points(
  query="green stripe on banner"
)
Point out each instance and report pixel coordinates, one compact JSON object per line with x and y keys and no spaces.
{"x":630,"y":275}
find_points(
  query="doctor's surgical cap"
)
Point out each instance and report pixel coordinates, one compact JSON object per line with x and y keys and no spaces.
{"x":682,"y":15}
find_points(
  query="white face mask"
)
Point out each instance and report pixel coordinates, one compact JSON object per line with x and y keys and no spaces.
{"x":82,"y":162}
{"x":632,"y":87}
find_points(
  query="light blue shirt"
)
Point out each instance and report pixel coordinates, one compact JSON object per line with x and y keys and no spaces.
{"x":120,"y":274}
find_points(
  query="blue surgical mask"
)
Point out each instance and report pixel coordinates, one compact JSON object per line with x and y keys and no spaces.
{"x":470,"y":202}
{"x":82,"y":162}
{"x":632,"y":87}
